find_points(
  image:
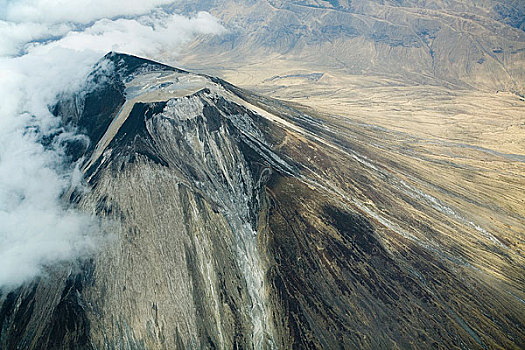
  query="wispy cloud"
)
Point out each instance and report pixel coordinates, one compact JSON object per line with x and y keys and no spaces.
{"x":48,"y":47}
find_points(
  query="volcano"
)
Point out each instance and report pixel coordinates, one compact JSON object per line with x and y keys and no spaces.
{"x":236,"y":221}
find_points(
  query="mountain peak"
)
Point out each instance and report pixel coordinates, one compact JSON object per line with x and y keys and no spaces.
{"x":126,"y":64}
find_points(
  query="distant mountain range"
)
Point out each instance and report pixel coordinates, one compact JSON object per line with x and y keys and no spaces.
{"x":458,"y":44}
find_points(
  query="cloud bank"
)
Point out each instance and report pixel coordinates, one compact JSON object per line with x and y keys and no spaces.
{"x":48,"y":47}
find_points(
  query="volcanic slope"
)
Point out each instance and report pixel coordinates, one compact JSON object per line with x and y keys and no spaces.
{"x":238,"y":221}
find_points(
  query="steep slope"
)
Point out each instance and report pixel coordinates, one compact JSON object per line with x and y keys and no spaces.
{"x":237,"y":221}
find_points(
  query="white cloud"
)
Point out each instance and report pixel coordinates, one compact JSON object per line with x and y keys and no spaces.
{"x":47,"y":47}
{"x":146,"y":35}
{"x":79,"y":11}
{"x":13,"y":36}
